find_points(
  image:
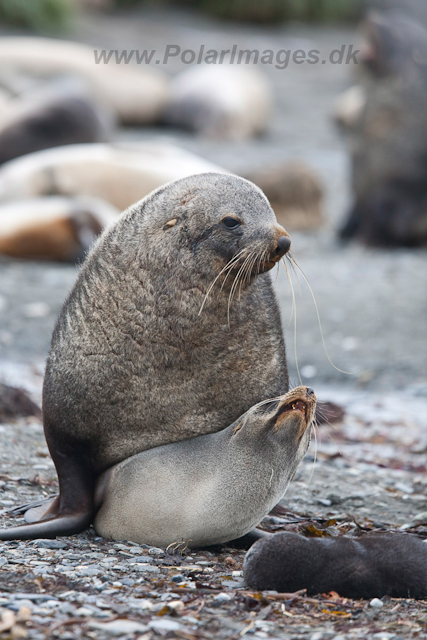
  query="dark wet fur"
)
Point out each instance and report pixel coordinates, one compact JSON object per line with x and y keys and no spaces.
{"x":373,"y":565}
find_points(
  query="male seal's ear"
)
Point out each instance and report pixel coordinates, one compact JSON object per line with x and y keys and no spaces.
{"x":370,"y":566}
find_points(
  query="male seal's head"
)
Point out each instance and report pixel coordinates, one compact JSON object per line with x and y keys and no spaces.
{"x":214,"y":220}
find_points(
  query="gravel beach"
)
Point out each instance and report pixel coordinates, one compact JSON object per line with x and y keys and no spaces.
{"x":364,"y":472}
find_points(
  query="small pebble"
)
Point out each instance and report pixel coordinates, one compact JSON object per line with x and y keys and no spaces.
{"x":178,"y":578}
{"x":164,"y":625}
{"x":222,"y":598}
{"x":119,"y":627}
{"x":148,"y":568}
{"x":376,"y":603}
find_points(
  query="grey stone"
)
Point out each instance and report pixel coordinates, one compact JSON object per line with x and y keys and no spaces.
{"x":178,"y":578}
{"x":148,"y":568}
{"x":119,"y":627}
{"x":90,"y":571}
{"x":376,"y":603}
{"x":164,"y":624}
{"x":49,"y":544}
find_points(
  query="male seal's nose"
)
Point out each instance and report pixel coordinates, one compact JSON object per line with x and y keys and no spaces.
{"x":310,"y":391}
{"x":283,"y":246}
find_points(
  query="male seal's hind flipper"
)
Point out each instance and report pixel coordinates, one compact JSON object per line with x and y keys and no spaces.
{"x":67,"y":514}
{"x":66,"y":525}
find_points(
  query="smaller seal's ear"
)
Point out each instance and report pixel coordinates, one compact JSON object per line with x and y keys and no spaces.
{"x":170,"y":224}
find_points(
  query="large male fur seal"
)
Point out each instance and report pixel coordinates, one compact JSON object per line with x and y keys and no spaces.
{"x":370,"y":566}
{"x":210,"y":489}
{"x":171,"y":331}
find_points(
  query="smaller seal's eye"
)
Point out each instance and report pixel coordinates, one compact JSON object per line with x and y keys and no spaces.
{"x":231,"y":223}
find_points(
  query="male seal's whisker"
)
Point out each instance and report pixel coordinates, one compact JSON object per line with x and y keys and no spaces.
{"x":244,"y":274}
{"x":318,"y":319}
{"x":228,"y":266}
{"x":232,"y":290}
{"x":294,"y":306}
{"x":240,"y":255}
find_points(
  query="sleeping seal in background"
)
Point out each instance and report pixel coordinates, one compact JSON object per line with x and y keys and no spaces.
{"x":220,"y":101}
{"x":136,"y":94}
{"x":370,"y":566}
{"x":154,"y":345}
{"x":53,"y":227}
{"x":212,"y":488}
{"x":57,"y":113}
{"x":121,"y":174}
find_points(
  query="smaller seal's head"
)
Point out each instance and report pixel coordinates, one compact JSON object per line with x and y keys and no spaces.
{"x":214,"y":221}
{"x":282,"y":423}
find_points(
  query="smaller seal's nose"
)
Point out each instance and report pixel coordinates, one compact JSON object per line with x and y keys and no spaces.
{"x":310,"y":391}
{"x":283,"y":246}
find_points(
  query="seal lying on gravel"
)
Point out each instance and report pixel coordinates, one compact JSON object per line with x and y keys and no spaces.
{"x":371,"y":566}
{"x":53,"y":227}
{"x":153,"y":344}
{"x":210,"y":489}
{"x":54,"y":114}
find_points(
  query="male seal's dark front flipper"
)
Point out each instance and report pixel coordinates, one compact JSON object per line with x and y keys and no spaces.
{"x":72,"y":511}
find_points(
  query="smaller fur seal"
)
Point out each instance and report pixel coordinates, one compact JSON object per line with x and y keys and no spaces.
{"x":371,"y":566}
{"x":209,"y":489}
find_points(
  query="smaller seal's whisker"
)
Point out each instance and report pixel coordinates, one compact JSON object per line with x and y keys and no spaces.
{"x":271,"y":478}
{"x":228,"y":266}
{"x":314,"y":428}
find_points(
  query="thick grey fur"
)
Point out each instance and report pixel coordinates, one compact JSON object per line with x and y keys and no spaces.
{"x":133,"y":365}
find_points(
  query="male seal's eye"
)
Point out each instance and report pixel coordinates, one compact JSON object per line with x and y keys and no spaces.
{"x":231,"y":223}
